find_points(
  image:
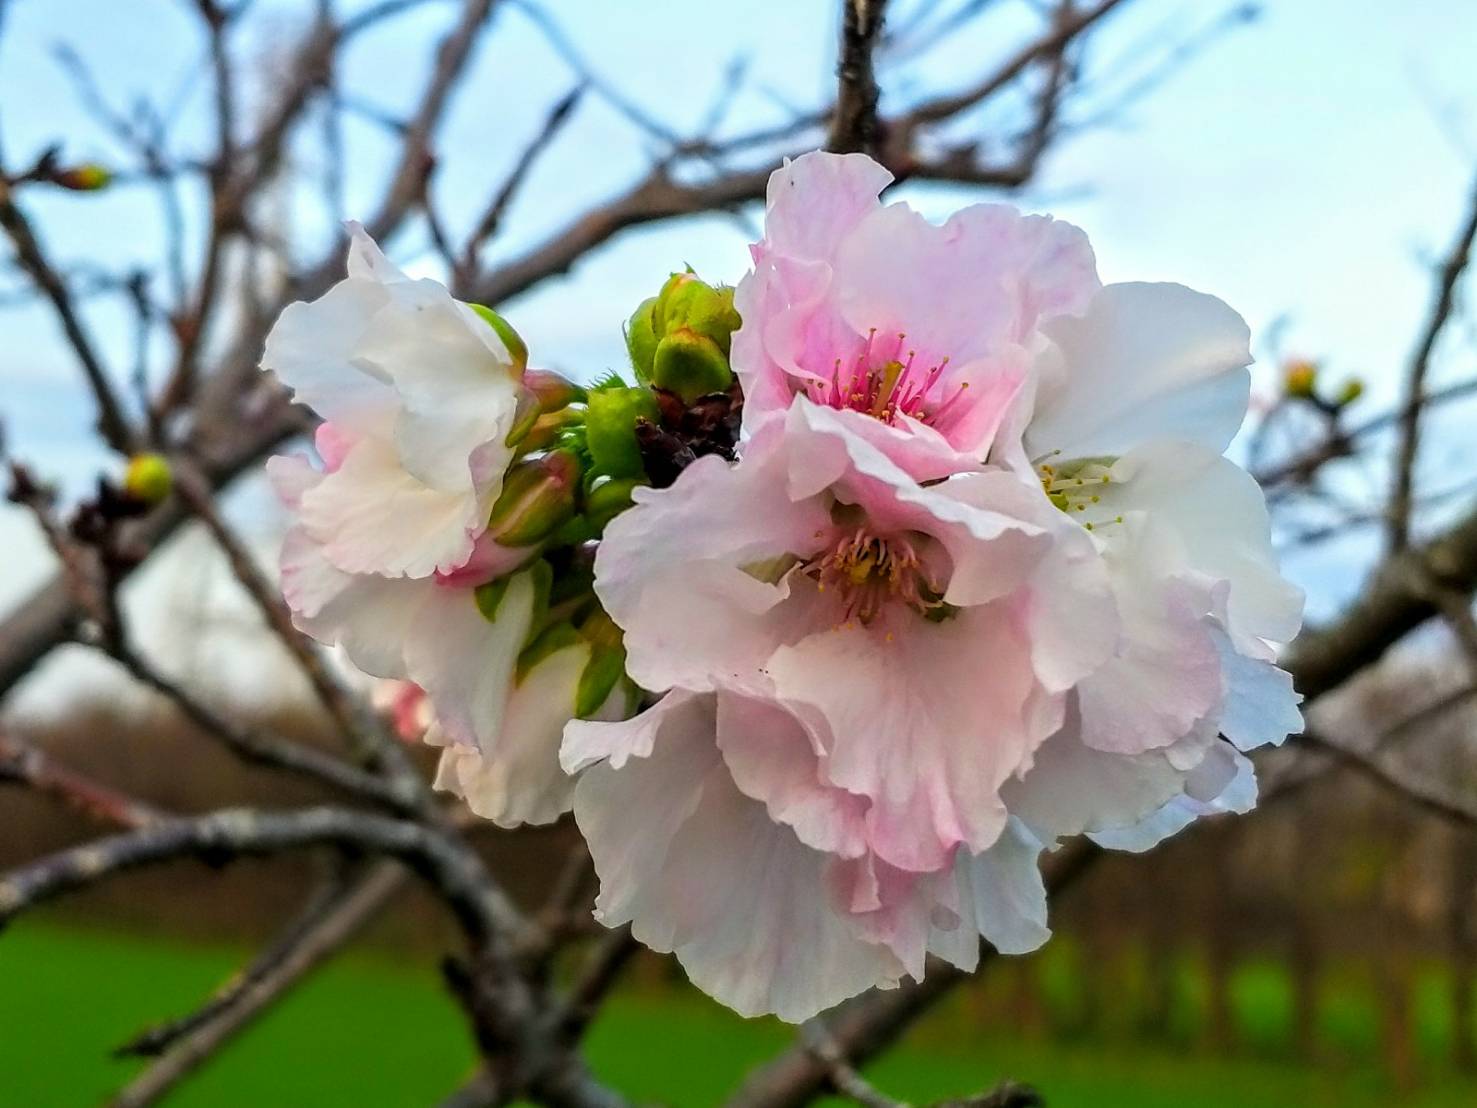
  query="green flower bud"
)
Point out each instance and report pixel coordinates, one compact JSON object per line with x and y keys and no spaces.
{"x":1350,"y":391}
{"x":88,"y":177}
{"x":538,"y":497}
{"x":690,"y":365}
{"x":525,"y":416}
{"x":610,"y":428}
{"x":609,"y":499}
{"x":548,"y":428}
{"x":517,"y":350}
{"x":148,"y":478}
{"x":553,"y":391}
{"x":679,"y":340}
{"x":641,"y":339}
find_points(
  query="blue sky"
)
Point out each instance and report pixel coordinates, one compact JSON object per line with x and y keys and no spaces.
{"x":1305,"y":168}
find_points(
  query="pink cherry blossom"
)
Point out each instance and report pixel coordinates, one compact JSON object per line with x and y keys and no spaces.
{"x":866,"y":660}
{"x":924,"y":332}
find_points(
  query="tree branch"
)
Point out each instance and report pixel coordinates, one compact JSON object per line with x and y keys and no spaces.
{"x":854,"y":121}
{"x":1415,"y":378}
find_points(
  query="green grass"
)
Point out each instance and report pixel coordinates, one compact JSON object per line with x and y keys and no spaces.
{"x":373,"y":1031}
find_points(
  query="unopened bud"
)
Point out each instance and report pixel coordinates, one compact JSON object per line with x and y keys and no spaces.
{"x":610,"y":428}
{"x":1350,"y":391}
{"x":641,"y":339}
{"x":148,"y":478}
{"x":690,"y":365}
{"x":552,"y":390}
{"x":88,"y":177}
{"x":538,"y":497}
{"x":548,"y":428}
{"x":517,"y":349}
{"x":679,"y":340}
{"x":1300,"y":378}
{"x":607,"y":500}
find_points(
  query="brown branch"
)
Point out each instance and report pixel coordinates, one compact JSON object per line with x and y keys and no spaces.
{"x":598,"y":976}
{"x":25,"y":764}
{"x":1397,"y":599}
{"x":222,"y":836}
{"x":1415,"y":378}
{"x":1340,"y":442}
{"x":854,"y":124}
{"x":1390,"y":772}
{"x":253,"y":745}
{"x":492,"y":217}
{"x":112,"y":424}
{"x":371,"y":741}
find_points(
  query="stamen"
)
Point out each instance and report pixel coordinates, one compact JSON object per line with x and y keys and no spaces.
{"x":886,"y":386}
{"x":1072,"y":486}
{"x":870,"y":572}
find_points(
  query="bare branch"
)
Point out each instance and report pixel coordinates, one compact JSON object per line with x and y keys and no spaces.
{"x":1415,"y":377}
{"x":371,"y":741}
{"x":25,"y":764}
{"x":854,"y":123}
{"x":240,"y":832}
{"x":183,"y":1045}
{"x":112,"y":424}
{"x":1397,"y":599}
{"x":492,"y":217}
{"x":1390,"y":771}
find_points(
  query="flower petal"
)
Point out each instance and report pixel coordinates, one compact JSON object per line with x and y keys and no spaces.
{"x":520,"y":781}
{"x":372,"y":516}
{"x":700,"y":870}
{"x":1146,"y":361}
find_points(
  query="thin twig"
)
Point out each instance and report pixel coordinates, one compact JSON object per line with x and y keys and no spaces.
{"x":26,"y":764}
{"x":181,"y":1046}
{"x":1415,"y":377}
{"x":112,"y":424}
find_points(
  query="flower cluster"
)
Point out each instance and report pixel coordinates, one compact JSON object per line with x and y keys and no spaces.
{"x":917,"y":552}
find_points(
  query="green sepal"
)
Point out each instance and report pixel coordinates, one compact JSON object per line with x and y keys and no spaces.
{"x":489,"y":597}
{"x":642,"y":338}
{"x":517,"y":349}
{"x":609,"y":499}
{"x":607,"y":664}
{"x":559,"y":637}
{"x":610,"y":428}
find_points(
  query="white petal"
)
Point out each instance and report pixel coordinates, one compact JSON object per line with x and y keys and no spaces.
{"x":812,"y":202}
{"x":671,"y":571}
{"x":373,"y":517}
{"x":772,"y":760}
{"x":1165,"y":676}
{"x":1238,"y":794}
{"x":1145,"y":362}
{"x":1261,"y":705}
{"x":466,"y":662}
{"x":520,"y":781}
{"x":1001,"y":897}
{"x":367,"y":615}
{"x":1209,"y":518}
{"x":589,"y":741}
{"x":1071,"y":788}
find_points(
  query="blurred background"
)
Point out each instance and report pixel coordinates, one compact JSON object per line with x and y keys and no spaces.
{"x":1309,"y":161}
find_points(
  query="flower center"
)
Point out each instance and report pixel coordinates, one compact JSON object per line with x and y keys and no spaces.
{"x":1076,"y":486}
{"x":868,"y":572}
{"x":885,"y":382}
